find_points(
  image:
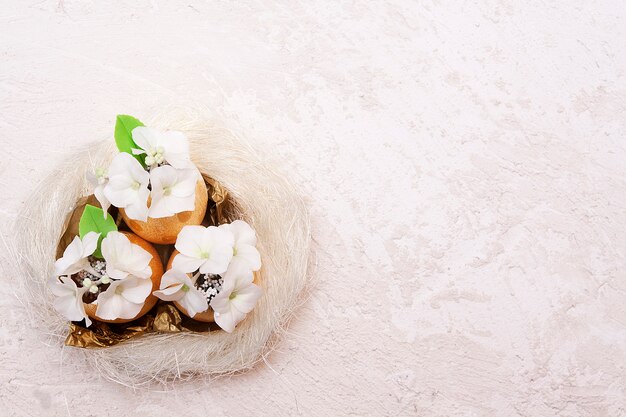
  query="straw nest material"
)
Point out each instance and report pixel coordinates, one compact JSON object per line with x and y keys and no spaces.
{"x":264,"y":198}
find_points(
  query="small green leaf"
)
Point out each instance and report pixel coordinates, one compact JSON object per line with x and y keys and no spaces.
{"x":93,"y":220}
{"x":124,"y":126}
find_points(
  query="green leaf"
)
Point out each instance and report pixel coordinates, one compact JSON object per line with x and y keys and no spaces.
{"x":124,"y":126}
{"x":93,"y":220}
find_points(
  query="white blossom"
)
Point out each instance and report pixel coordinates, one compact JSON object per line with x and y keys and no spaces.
{"x":173,"y":190}
{"x":159,"y":147}
{"x":246,"y":257}
{"x":75,"y":256}
{"x":127,"y":187}
{"x":124,"y":258}
{"x":99,"y":179}
{"x":123,"y":299}
{"x":69,"y":301}
{"x":237,"y":298}
{"x":208,"y":249}
{"x":177,"y":286}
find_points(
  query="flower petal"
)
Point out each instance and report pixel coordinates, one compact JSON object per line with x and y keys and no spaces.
{"x":126,"y":166}
{"x":145,"y":137}
{"x":173,"y":277}
{"x":66,"y":305}
{"x":186,"y":180}
{"x":244,"y":234}
{"x":163,"y":176}
{"x":109,"y":303}
{"x":241,"y":281}
{"x":59,"y":288}
{"x":90,"y":243}
{"x":218,"y":245}
{"x":217,"y":264}
{"x":171,"y":283}
{"x":72,"y":260}
{"x":189,"y":241}
{"x":113,"y":248}
{"x":172,"y":293}
{"x":119,"y":192}
{"x":173,"y":191}
{"x":136,"y":290}
{"x":138,"y":210}
{"x":124,"y":258}
{"x":247,"y":259}
{"x":186,"y":263}
{"x":113,"y":305}
{"x":237,"y":298}
{"x":228,"y":320}
{"x":246,"y":298}
{"x":72,"y":253}
{"x":221,"y":302}
{"x":158,"y":209}
{"x":158,"y":206}
{"x":177,"y":204}
{"x":70,"y":305}
{"x":176,"y":147}
{"x":194,"y":302}
{"x":215,"y":236}
{"x":98,"y":192}
{"x":138,"y":263}
{"x":128,"y":186}
{"x":130,"y":310}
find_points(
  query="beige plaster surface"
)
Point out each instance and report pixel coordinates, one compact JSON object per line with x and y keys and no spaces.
{"x":464,"y":163}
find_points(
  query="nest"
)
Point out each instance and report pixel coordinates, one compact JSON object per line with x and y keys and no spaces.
{"x":263,"y":198}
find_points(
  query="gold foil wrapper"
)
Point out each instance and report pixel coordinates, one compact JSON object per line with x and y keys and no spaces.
{"x":102,"y":334}
{"x":164,"y":317}
{"x":220,"y":208}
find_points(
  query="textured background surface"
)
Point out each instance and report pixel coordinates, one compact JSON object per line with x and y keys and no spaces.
{"x":465,"y":168}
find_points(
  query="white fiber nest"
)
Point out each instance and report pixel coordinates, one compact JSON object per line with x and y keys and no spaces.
{"x":266,"y":200}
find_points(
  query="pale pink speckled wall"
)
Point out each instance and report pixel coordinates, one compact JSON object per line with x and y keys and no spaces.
{"x":465,"y":169}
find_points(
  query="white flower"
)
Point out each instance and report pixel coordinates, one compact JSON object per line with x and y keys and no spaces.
{"x":128,"y":186}
{"x":206,"y":248}
{"x":236,"y":299}
{"x":177,"y":286}
{"x":74,"y":257}
{"x":99,"y":179}
{"x":123,"y":299}
{"x":173,"y":190}
{"x":69,"y":301}
{"x":161,"y":147}
{"x":124,"y":258}
{"x":246,"y":257}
